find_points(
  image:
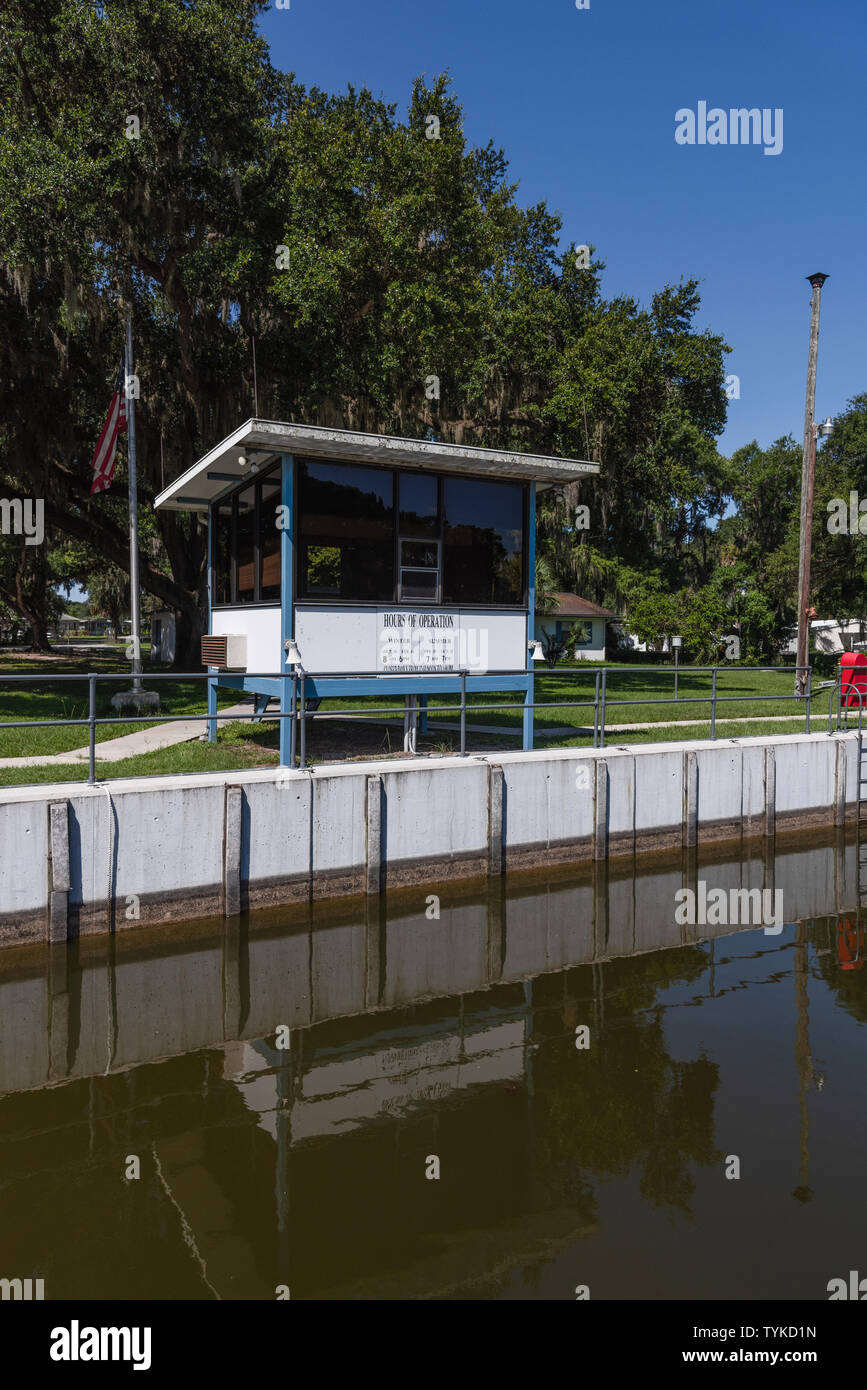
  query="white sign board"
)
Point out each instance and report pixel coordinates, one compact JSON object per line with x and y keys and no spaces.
{"x":396,"y":640}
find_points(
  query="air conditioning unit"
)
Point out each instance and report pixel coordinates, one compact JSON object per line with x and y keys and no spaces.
{"x":227,"y":652}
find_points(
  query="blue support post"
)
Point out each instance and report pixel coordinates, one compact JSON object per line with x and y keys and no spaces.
{"x":287,"y":619}
{"x":528,"y":716}
{"x":212,"y":684}
{"x":212,"y":709}
{"x":531,"y":618}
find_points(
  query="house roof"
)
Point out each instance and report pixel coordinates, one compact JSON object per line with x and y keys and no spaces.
{"x":572,"y":606}
{"x":219,"y":469}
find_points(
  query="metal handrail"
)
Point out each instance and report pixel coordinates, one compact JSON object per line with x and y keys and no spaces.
{"x":299,"y":714}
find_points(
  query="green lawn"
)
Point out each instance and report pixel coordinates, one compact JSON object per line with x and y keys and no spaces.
{"x":635,"y":695}
{"x":234,"y":749}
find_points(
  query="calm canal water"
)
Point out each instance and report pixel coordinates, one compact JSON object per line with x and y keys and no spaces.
{"x":286,"y":1087}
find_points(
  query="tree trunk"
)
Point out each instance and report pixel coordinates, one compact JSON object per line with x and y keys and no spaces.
{"x":30,"y":597}
{"x":190,"y":625}
{"x":38,"y":633}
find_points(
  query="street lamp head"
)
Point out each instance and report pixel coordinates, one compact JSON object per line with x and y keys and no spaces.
{"x":826,"y":427}
{"x":817,"y":280}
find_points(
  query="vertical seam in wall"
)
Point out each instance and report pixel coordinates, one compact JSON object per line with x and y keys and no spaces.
{"x":495,"y":820}
{"x":311,"y":836}
{"x":373,"y":834}
{"x":770,"y":789}
{"x":690,"y":800}
{"x":840,"y":769}
{"x":58,"y":871}
{"x":232,"y":816}
{"x":601,"y":810}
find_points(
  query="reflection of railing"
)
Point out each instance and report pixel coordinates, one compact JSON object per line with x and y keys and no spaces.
{"x":303,"y":705}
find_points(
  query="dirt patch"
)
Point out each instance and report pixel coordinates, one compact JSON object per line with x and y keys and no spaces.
{"x":348,"y":740}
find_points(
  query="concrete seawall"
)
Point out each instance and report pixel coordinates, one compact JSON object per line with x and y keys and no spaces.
{"x":85,"y":860}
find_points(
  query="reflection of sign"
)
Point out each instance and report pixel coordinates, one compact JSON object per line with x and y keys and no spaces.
{"x":429,"y":642}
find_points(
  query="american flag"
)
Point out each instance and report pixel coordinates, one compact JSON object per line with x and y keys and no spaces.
{"x":106,"y":449}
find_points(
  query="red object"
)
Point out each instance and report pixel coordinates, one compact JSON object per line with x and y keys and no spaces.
{"x":850,"y":945}
{"x":853,"y":676}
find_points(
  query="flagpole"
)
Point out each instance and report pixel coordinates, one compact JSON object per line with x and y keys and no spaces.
{"x":133,"y":512}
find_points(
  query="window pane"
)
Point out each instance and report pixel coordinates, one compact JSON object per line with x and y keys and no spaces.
{"x":246,"y":536}
{"x":346,"y":531}
{"x":323,"y":570}
{"x":420,"y":584}
{"x":418,"y":505}
{"x":483,"y":542}
{"x":269,"y":542}
{"x":425,"y":554}
{"x":222,"y":554}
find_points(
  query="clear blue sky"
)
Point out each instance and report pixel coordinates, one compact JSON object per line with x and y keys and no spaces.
{"x":583,"y":102}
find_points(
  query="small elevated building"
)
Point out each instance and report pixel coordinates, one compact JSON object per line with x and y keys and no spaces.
{"x":373,"y":565}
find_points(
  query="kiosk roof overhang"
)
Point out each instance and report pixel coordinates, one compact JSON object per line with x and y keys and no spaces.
{"x":213,"y":474}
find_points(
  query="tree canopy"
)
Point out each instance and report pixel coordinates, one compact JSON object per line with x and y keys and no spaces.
{"x":152,"y":156}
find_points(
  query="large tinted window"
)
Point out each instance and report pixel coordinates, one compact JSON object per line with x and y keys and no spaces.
{"x":269,"y":539}
{"x":246,"y":533}
{"x":483,"y":542}
{"x":346,"y":532}
{"x":222,"y":585}
{"x":247,"y":544}
{"x":419,"y":505}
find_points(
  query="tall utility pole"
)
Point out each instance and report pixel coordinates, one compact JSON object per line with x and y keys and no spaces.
{"x":808,"y":467}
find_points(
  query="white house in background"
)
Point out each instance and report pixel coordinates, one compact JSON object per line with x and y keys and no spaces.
{"x":828,"y":635}
{"x":587,"y":618}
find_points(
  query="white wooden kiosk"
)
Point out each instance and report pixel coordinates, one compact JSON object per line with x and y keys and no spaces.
{"x":360,"y":564}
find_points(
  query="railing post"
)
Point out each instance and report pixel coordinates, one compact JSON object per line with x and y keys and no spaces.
{"x":212,"y":709}
{"x":463,"y":714}
{"x":596,"y":712}
{"x":91,"y":730}
{"x":602,"y":712}
{"x":713,"y":705}
{"x":303,"y":723}
{"x":293,"y":718}
{"x":809,"y":682}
